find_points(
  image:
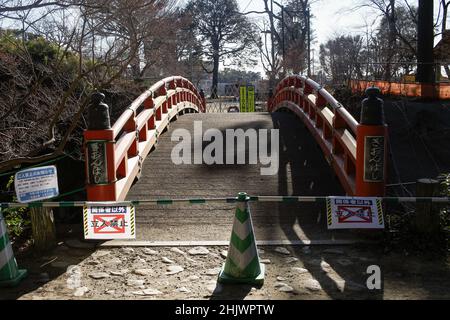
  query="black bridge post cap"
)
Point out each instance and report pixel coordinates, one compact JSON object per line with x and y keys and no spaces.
{"x":372,"y":112}
{"x":373,"y":92}
{"x":97,"y":98}
{"x":98,"y":115}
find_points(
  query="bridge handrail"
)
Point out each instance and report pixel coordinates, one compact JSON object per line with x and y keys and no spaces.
{"x":156,"y":90}
{"x":340,"y":136}
{"x":317,"y":90}
{"x":122,"y":148}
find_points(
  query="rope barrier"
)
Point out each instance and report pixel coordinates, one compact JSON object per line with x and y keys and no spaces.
{"x":285,"y":199}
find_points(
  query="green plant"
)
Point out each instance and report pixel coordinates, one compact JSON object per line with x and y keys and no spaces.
{"x":41,"y":50}
{"x":445,"y":182}
{"x":445,"y":213}
{"x":17,"y":219}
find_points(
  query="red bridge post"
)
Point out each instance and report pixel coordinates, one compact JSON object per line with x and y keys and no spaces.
{"x":371,"y":157}
{"x":99,"y":152}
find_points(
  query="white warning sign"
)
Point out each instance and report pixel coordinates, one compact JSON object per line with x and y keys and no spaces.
{"x":36,"y":184}
{"x":108,"y":222}
{"x":354,"y":213}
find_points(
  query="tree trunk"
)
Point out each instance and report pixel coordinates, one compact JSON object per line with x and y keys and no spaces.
{"x":135,"y":65}
{"x":444,"y":16}
{"x":215,"y":81}
{"x":391,"y":41}
{"x":43,"y":227}
{"x":272,"y":80}
{"x":425,"y":43}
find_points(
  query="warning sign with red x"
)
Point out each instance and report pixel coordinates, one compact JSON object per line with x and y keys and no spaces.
{"x":350,"y":214}
{"x":354,"y":213}
{"x":104,"y":224}
{"x":109,"y":222}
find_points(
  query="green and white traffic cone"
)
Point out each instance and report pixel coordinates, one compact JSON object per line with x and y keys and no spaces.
{"x":10,"y":275}
{"x":242,"y":265}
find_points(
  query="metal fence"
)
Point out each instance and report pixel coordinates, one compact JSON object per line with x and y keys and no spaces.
{"x":231,"y":103}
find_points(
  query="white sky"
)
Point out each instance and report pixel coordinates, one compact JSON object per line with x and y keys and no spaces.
{"x":330,"y":17}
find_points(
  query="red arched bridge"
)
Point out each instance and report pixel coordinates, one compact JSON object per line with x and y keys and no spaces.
{"x":323,"y":151}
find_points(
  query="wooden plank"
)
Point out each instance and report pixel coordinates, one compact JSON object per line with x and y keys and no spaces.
{"x":122,"y":146}
{"x":124,"y":185}
{"x":146,"y":146}
{"x":348,"y":182}
{"x":311,"y":98}
{"x":159,"y":101}
{"x":143,"y":117}
{"x":348,"y":141}
{"x":328,"y":115}
{"x":120,"y":123}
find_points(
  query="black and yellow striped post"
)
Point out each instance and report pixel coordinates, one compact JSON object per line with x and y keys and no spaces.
{"x":242,"y":265}
{"x":380,"y":212}
{"x":329,"y":213}
{"x":132,"y":222}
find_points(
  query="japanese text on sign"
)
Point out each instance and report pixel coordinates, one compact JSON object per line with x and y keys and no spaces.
{"x":36,"y":184}
{"x":109,"y":222}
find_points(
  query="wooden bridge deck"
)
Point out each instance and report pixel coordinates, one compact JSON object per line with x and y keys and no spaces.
{"x":303,"y":171}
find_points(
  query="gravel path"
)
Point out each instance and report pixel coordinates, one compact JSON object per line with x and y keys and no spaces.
{"x":313,"y":272}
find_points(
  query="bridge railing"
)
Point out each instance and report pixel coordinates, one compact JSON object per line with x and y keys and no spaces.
{"x":114,"y":155}
{"x":357,"y":152}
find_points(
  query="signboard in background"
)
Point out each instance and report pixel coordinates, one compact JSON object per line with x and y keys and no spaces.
{"x":36,"y":184}
{"x":251,"y":99}
{"x":354,"y":213}
{"x":243,"y":98}
{"x":109,"y":221}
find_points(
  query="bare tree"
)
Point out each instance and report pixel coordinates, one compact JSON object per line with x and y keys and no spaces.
{"x":49,"y":82}
{"x":283,"y":45}
{"x":394,"y":26}
{"x":339,"y":58}
{"x":225,"y":33}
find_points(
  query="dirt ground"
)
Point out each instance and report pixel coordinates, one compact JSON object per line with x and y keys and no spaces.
{"x":76,"y":270}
